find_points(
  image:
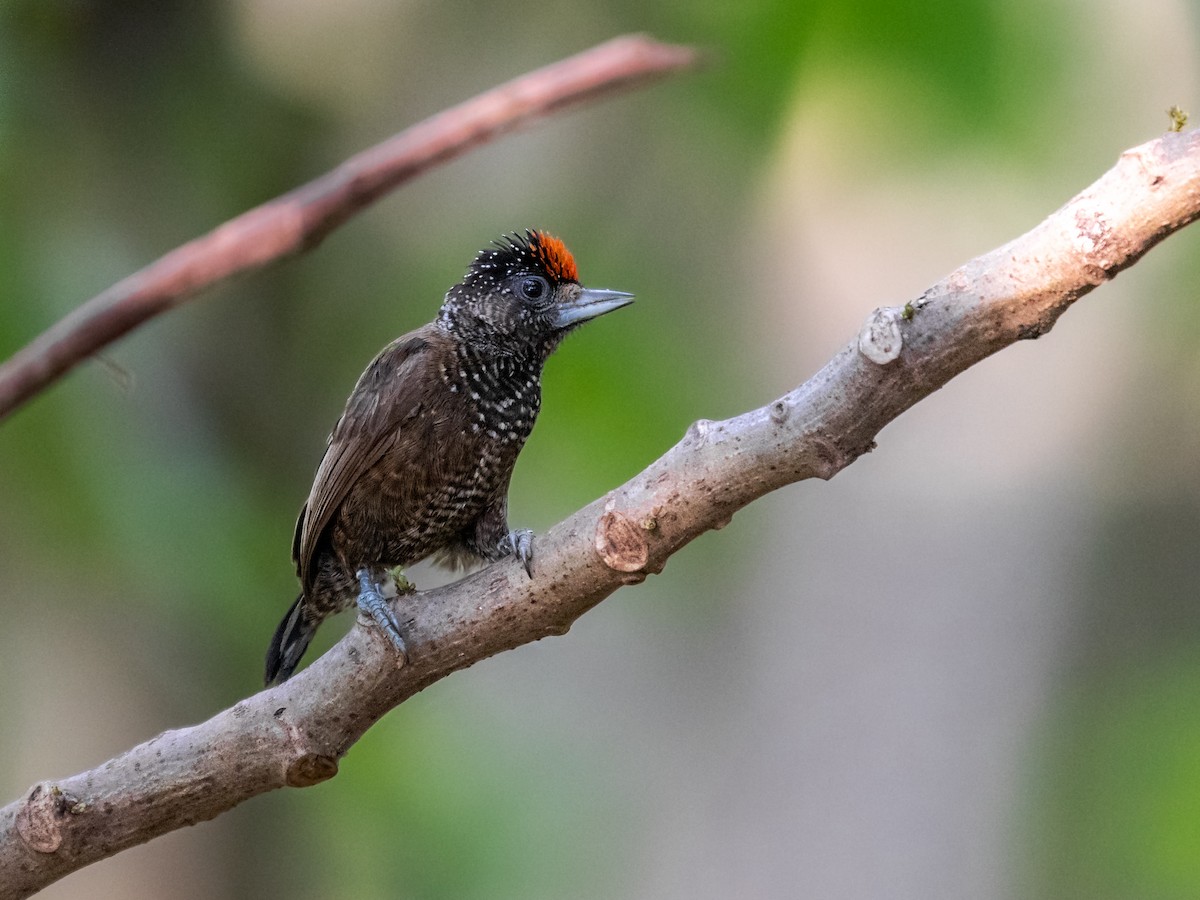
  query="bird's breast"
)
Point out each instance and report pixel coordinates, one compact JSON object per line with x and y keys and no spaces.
{"x":446,"y":465}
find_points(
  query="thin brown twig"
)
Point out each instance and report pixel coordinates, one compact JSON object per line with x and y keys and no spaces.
{"x":298,"y":220}
{"x":296,"y":733}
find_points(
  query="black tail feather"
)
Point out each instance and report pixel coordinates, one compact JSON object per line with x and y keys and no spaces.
{"x":291,"y":640}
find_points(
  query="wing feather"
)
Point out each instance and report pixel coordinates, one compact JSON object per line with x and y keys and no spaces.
{"x":388,"y":392}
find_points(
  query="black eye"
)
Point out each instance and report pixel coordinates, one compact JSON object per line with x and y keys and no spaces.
{"x":532,"y":287}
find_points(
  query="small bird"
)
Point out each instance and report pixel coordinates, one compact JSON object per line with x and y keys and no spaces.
{"x":420,"y":461}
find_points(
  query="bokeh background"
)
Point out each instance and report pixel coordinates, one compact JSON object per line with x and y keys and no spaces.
{"x":969,"y":666}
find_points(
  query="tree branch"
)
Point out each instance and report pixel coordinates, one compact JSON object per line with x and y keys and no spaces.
{"x":294,"y":734}
{"x":300,"y":219}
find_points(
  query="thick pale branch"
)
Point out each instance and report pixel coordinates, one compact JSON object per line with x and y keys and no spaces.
{"x":299,"y":220}
{"x":295,"y":734}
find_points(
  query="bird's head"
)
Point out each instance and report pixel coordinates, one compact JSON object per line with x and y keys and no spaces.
{"x":523,"y":295}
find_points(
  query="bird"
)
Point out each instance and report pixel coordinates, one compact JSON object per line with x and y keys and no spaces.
{"x":419,"y":462}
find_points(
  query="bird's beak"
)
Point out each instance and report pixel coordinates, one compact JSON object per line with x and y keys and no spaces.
{"x":590,"y":303}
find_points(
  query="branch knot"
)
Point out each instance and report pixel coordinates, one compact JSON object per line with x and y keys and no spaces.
{"x":622,"y":543}
{"x":881,"y":340}
{"x":39,"y":821}
{"x":310,"y":769}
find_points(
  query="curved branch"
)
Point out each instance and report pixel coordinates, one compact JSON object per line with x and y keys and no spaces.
{"x":300,"y":219}
{"x":294,"y":734}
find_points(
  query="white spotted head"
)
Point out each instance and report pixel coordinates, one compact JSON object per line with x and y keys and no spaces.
{"x":522,"y":295}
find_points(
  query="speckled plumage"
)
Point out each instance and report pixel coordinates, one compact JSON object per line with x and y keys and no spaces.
{"x":419,"y":462}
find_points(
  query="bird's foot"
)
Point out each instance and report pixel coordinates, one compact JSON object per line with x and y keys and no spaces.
{"x":375,"y":606}
{"x":519,"y":543}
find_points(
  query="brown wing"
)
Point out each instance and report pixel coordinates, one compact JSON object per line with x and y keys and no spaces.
{"x":387,"y":393}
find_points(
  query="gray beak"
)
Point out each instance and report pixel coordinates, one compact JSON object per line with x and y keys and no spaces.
{"x":590,"y":303}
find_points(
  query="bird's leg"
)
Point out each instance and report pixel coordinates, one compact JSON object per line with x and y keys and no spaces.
{"x":375,"y":606}
{"x":519,"y":543}
{"x":492,"y":539}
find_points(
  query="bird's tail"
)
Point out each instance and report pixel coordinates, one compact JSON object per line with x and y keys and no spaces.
{"x":291,"y":640}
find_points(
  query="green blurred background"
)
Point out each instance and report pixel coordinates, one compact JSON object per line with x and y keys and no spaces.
{"x":967,"y":667}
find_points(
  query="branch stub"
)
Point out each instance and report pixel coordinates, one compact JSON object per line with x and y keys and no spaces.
{"x":621,"y":542}
{"x":880,"y":340}
{"x":38,"y":820}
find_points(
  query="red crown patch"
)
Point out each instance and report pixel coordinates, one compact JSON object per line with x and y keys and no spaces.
{"x":553,"y":256}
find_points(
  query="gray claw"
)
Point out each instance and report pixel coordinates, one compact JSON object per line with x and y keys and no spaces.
{"x":520,"y":544}
{"x":376,"y":607}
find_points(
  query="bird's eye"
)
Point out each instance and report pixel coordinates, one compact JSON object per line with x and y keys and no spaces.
{"x":532,"y":287}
